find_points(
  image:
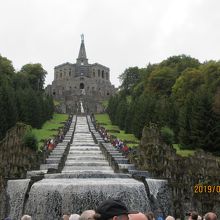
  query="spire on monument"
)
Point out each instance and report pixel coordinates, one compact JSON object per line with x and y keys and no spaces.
{"x":82,"y":59}
{"x":82,"y":37}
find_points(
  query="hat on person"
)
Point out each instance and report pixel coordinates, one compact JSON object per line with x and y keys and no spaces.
{"x":111,"y":208}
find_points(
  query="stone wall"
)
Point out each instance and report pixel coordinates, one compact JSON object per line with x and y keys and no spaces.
{"x":15,"y":159}
{"x":183,"y":173}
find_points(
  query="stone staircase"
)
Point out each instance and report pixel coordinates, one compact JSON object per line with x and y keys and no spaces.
{"x":85,"y":155}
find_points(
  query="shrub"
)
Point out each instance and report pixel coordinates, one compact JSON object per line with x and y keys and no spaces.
{"x":30,"y":141}
{"x":167,"y":135}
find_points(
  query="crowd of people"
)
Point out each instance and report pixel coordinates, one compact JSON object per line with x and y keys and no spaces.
{"x":114,"y":209}
{"x":50,"y":143}
{"x":116,"y":142}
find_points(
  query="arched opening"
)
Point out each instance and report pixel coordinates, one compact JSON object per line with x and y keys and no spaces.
{"x":81,"y":86}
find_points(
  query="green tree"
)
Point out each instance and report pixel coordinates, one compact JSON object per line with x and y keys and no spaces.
{"x":35,"y":74}
{"x":6,"y":67}
{"x":8,"y":110}
{"x":201,"y":118}
{"x":167,"y":135}
{"x":129,"y":117}
{"x":211,"y":71}
{"x":161,"y":81}
{"x":189,"y":81}
{"x":184,"y":121}
{"x":121,"y":112}
{"x":112,"y":107}
{"x":144,"y":113}
{"x":180,"y":63}
{"x":129,"y":78}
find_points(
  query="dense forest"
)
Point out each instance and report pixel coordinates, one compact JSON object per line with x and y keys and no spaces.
{"x":22,"y":96}
{"x":180,"y":94}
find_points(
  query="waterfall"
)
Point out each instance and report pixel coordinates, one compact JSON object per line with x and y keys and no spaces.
{"x":81,"y":107}
{"x":16,"y":191}
{"x":160,"y":195}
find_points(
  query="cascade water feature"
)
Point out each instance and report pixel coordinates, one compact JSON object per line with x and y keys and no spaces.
{"x":81,"y":107}
{"x":85,"y":180}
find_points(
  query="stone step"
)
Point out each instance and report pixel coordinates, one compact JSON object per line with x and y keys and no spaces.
{"x":55,"y":156}
{"x":71,"y":167}
{"x":139,"y":173}
{"x":85,"y":174}
{"x":58,"y":150}
{"x":53,"y":160}
{"x":35,"y":173}
{"x":47,"y":166}
{"x":83,"y":148}
{"x":61,"y":146}
{"x":84,"y":157}
{"x":56,"y":153}
{"x":85,"y":153}
{"x":127,"y":166}
{"x":121,"y":161}
{"x":87,"y":171}
{"x":83,"y":141}
{"x":87,"y":163}
{"x":116,"y":153}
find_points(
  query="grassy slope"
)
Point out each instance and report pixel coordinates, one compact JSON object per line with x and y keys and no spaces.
{"x":105,"y":121}
{"x":50,"y":128}
{"x":183,"y":153}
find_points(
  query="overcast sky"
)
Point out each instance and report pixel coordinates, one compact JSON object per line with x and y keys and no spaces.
{"x":118,"y":33}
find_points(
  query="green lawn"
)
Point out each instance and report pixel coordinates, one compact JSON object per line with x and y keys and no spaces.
{"x":104,"y":120}
{"x":50,"y":128}
{"x":183,"y":153}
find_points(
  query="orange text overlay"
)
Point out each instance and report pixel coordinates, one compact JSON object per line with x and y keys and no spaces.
{"x":206,"y":189}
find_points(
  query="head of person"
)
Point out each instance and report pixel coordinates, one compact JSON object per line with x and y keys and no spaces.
{"x":193,"y":215}
{"x":137,"y":216}
{"x":199,"y":217}
{"x":169,"y":217}
{"x":26,"y":217}
{"x":87,"y":215}
{"x":66,"y":217}
{"x":210,"y":216}
{"x":112,"y":209}
{"x":150,"y":216}
{"x":74,"y":217}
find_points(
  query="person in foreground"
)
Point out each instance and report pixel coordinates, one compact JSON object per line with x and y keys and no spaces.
{"x":112,"y":209}
{"x":26,"y":217}
{"x":138,"y":216}
{"x":210,"y":216}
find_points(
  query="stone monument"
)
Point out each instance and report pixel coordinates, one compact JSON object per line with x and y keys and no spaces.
{"x":81,"y":81}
